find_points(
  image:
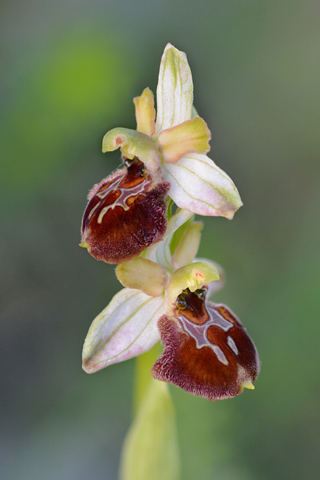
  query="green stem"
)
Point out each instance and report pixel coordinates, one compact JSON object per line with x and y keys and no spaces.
{"x":142,"y":374}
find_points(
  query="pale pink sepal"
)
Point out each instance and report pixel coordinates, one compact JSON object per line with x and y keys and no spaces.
{"x":175,"y":89}
{"x":191,"y":136}
{"x":145,"y":112}
{"x":199,"y":185}
{"x":126,"y":328}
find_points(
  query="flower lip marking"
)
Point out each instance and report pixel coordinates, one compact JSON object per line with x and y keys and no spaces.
{"x":199,"y":332}
{"x":232,"y":345}
{"x":124,"y":196}
{"x":124,"y":189}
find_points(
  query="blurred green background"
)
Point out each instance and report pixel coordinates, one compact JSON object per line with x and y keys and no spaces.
{"x":69,"y":71}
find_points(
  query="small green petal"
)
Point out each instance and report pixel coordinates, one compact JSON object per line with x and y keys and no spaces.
{"x":192,"y":276}
{"x":132,"y":144}
{"x":151,"y":447}
{"x":145,"y":112}
{"x":143,"y":274}
{"x":188,"y":246}
{"x":192,"y":136}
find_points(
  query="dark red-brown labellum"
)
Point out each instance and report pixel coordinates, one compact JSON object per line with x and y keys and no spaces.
{"x":207,"y":351}
{"x":125,"y":214}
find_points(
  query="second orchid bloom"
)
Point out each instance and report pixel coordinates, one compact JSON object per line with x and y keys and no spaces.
{"x":129,"y":221}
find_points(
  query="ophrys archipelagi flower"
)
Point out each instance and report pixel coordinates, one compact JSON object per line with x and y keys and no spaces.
{"x":164,"y":157}
{"x":129,"y":221}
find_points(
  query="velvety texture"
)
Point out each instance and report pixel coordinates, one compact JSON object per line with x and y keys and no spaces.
{"x":125,"y":214}
{"x":207,"y":351}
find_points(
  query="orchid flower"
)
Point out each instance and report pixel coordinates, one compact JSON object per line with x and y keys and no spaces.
{"x":128,"y":221}
{"x":170,"y":304}
{"x":164,"y":158}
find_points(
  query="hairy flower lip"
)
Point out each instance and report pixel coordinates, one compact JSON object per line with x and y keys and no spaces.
{"x":125,"y":214}
{"x":207,"y":352}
